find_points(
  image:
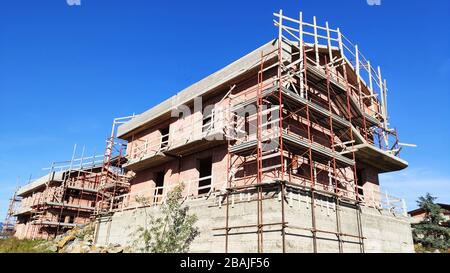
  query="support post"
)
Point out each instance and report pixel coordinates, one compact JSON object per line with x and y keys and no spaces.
{"x":380,"y":83}
{"x":341,"y":45}
{"x":330,"y":52}
{"x":370,"y":77}
{"x":316,"y":42}
{"x":386,"y":115}
{"x":302,"y":60}
{"x":405,"y":211}
{"x":357,"y":67}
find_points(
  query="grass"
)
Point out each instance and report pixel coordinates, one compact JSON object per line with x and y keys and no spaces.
{"x":14,"y":245}
{"x":420,"y":249}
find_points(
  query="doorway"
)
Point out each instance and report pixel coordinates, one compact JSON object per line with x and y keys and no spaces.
{"x":359,"y":177}
{"x":159,"y":182}
{"x":205,"y":172}
{"x":164,"y":137}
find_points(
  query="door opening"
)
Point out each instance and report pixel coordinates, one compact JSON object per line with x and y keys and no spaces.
{"x":164,"y":137}
{"x":159,"y":182}
{"x":205,"y":172}
{"x":359,"y":177}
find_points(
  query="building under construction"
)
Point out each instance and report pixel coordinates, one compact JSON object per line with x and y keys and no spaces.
{"x":66,"y":196}
{"x":279,"y":151}
{"x":9,"y":224}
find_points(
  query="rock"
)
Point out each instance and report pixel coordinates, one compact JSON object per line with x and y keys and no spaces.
{"x":75,"y":249}
{"x":89,"y":238}
{"x":81,"y":240}
{"x":94,"y":249}
{"x":58,"y":238}
{"x":115,"y":250}
{"x":85,"y":249}
{"x":65,"y":240}
{"x":52,"y":248}
{"x":65,"y":249}
{"x":437,"y":251}
{"x":74,"y":230}
{"x":128,"y":249}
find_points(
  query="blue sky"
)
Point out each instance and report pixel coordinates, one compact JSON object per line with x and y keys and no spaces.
{"x":67,"y":71}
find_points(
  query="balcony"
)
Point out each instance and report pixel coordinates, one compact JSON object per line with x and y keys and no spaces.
{"x":189,"y":140}
{"x":70,"y":206}
{"x":114,"y":181}
{"x":84,"y":184}
{"x":296,"y":142}
{"x":53,"y":223}
{"x":23,"y":211}
{"x":156,"y":196}
{"x":379,"y":159}
{"x":201,"y":135}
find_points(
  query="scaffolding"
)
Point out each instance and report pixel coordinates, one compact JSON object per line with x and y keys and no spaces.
{"x":65,"y":197}
{"x":114,"y":181}
{"x":298,"y":130}
{"x":8,"y":228}
{"x":316,"y":98}
{"x":71,"y":194}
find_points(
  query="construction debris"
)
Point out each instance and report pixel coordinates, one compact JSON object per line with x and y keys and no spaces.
{"x":80,"y":240}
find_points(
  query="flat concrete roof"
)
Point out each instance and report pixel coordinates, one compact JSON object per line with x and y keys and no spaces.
{"x":381,"y":160}
{"x":199,"y":88}
{"x":54,"y":176}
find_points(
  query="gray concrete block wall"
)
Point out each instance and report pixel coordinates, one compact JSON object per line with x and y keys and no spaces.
{"x":384,"y":231}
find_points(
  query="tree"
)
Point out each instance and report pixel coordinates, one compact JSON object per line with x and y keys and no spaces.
{"x":173,"y":231}
{"x":429,"y":232}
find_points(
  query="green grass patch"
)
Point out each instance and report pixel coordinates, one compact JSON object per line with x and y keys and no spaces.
{"x":14,"y":245}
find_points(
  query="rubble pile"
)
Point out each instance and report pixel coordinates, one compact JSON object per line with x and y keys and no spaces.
{"x":80,"y":240}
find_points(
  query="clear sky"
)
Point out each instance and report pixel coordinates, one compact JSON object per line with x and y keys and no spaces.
{"x":67,"y":71}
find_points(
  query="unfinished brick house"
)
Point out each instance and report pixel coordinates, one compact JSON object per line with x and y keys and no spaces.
{"x":62,"y":199}
{"x":279,"y":151}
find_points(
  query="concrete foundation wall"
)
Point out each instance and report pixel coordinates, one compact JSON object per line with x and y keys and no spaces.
{"x":383,"y":231}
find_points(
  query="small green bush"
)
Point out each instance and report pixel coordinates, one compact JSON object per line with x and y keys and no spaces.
{"x":173,"y":231}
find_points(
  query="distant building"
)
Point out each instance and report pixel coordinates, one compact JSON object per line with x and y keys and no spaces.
{"x":56,"y":202}
{"x":62,"y":199}
{"x":418,"y":215}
